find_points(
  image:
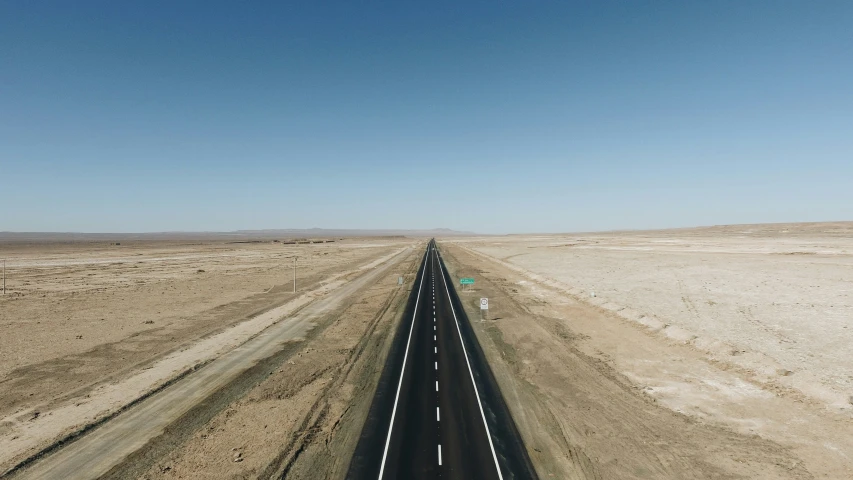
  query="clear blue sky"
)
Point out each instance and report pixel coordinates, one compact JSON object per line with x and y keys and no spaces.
{"x":123,"y":116}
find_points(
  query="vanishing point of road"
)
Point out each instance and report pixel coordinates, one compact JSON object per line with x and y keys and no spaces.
{"x":438,"y":412}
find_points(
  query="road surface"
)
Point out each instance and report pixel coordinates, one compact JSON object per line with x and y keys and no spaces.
{"x":438,"y":412}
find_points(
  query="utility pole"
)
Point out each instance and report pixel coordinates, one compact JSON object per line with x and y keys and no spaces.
{"x":294,"y":274}
{"x":4,"y":276}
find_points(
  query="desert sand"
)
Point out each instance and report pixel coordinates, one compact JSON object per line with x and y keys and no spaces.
{"x":692,"y":353}
{"x":775,"y":297}
{"x":718,"y":352}
{"x":90,"y":326}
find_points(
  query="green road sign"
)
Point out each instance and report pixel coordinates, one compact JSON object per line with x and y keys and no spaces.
{"x":466,"y":281}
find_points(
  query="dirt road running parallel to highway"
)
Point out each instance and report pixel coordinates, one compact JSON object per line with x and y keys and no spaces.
{"x":106,"y":446}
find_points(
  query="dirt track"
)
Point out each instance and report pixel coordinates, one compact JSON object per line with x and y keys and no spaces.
{"x":175,"y":306}
{"x":304,"y":418}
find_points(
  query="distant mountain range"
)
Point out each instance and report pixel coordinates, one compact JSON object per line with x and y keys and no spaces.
{"x":289,"y":233}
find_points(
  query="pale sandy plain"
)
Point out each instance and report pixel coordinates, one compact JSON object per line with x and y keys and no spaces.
{"x":746,"y":328}
{"x":705,"y":353}
{"x":89,"y":327}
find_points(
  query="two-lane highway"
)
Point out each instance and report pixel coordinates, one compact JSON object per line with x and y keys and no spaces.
{"x":438,"y":412}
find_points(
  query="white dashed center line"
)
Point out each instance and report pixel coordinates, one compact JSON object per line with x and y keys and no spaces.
{"x":437,"y":415}
{"x":471,"y":374}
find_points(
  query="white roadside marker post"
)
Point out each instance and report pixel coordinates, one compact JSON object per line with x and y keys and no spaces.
{"x":294,"y":274}
{"x":484,"y":307}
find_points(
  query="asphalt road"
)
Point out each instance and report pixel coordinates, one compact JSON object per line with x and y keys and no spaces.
{"x":438,"y":412}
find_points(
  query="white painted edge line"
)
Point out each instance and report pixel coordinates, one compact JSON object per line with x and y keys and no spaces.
{"x":402,"y":372}
{"x":471,"y":372}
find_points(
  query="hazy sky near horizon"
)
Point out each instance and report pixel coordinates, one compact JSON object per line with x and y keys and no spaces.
{"x":494,"y":117}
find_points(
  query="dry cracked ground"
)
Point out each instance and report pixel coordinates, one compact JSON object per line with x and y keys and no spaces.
{"x":697,"y":353}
